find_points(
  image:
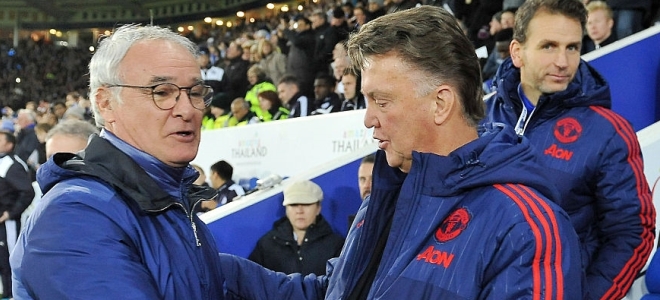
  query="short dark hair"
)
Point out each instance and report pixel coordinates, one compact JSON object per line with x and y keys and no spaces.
{"x":428,"y":39}
{"x":223,"y":169}
{"x":304,"y":19}
{"x":572,"y":9}
{"x":10,"y":137}
{"x":371,"y":158}
{"x":327,"y":79}
{"x":289,"y":79}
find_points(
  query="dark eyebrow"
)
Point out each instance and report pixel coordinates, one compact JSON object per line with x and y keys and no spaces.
{"x":162,"y":79}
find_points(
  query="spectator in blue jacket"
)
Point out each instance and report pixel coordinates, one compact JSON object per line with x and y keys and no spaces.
{"x":562,"y":106}
{"x":116,"y":221}
{"x":456,"y":211}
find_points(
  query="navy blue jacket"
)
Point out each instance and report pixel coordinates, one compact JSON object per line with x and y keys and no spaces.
{"x":594,"y":159}
{"x":116,"y":224}
{"x":472,"y":225}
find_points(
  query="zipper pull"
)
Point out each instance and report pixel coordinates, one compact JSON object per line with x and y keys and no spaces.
{"x":194,"y":227}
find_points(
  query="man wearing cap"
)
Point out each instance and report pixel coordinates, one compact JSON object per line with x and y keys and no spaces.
{"x":302,"y":241}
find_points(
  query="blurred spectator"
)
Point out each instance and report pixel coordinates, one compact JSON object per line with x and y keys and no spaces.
{"x":293,"y":98}
{"x":69,"y":136}
{"x":41,"y":130}
{"x":241,"y":114}
{"x":26,"y":139}
{"x":364,"y":175}
{"x":16,"y":194}
{"x":58,"y":108}
{"x":271,"y":106}
{"x":376,"y":9}
{"x":339,"y":30}
{"x":500,"y":53}
{"x":74,"y":112}
{"x":212,"y":75}
{"x":301,"y":53}
{"x":347,"y":8}
{"x":325,"y":99}
{"x":279,"y":39}
{"x":322,"y":43}
{"x":302,"y":241}
{"x":216,"y":116}
{"x":365,"y":178}
{"x":221,"y":180}
{"x":508,"y":18}
{"x":599,"y":27}
{"x":629,"y":15}
{"x":359,"y":18}
{"x":234,"y":82}
{"x":339,"y":64}
{"x":353,"y":98}
{"x":72,"y":99}
{"x":259,"y":82}
{"x":273,"y":62}
{"x":261,"y":35}
{"x":201,"y":180}
{"x":215,"y":57}
{"x":494,"y":27}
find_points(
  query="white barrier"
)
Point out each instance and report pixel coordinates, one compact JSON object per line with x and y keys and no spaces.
{"x":285,"y":147}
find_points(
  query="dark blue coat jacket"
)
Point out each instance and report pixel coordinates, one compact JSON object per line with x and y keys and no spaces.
{"x":471,"y":225}
{"x":593,"y":157}
{"x":117,"y":224}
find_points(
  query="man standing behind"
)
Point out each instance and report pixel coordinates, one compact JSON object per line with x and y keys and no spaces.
{"x":599,"y":27}
{"x":235,"y":83}
{"x":454,"y":212}
{"x":301,"y":53}
{"x":117,"y":221}
{"x":26,"y":139}
{"x":212,"y":75}
{"x":292,"y":97}
{"x":16,"y":194}
{"x":69,"y":136}
{"x":562,"y":105}
{"x":365,"y":175}
{"x":326,"y":100}
{"x":221,"y":180}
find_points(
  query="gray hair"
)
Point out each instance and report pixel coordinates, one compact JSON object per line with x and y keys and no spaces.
{"x":27,"y":113}
{"x":104,"y":65}
{"x":428,"y":39}
{"x":74,"y":128}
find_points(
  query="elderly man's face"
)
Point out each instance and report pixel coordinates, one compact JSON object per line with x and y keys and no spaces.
{"x":238,"y":110}
{"x":171,"y":135}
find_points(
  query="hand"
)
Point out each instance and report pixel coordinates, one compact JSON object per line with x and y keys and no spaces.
{"x":4,"y":217}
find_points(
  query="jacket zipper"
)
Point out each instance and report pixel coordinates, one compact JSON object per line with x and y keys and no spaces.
{"x":189,"y":215}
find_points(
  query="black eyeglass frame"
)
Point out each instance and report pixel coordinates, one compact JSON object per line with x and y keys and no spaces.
{"x":207,"y":98}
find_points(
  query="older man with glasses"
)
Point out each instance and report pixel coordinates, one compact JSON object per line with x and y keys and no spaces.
{"x":117,"y":220}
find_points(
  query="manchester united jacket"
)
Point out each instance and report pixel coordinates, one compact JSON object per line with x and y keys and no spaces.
{"x":593,"y":157}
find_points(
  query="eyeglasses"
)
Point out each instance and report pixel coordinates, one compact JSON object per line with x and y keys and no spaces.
{"x":165,"y":95}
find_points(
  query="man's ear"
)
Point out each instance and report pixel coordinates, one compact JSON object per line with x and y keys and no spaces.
{"x":515,"y":49}
{"x":445,"y":101}
{"x":105,"y":103}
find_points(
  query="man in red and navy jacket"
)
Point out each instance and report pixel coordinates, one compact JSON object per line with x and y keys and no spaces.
{"x":562,"y":105}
